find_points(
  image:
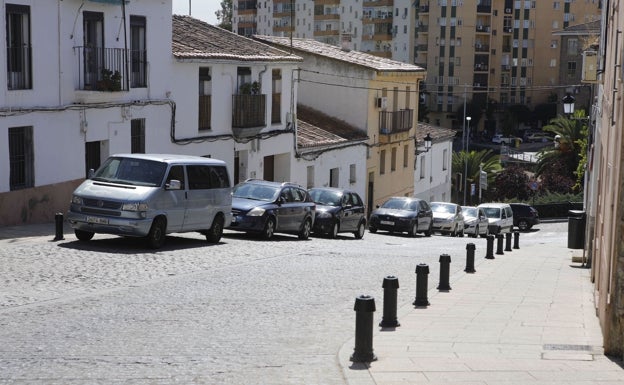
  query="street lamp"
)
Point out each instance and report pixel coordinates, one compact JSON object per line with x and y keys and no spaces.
{"x":568,"y":104}
{"x":468,"y":118}
{"x":428,"y":145}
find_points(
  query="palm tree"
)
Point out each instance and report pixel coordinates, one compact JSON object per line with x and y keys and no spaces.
{"x":475,"y":161}
{"x":564,"y":157}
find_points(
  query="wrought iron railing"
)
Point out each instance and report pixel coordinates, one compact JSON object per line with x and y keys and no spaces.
{"x":19,"y":61}
{"x":391,"y":122}
{"x":248,"y":110}
{"x":102,"y":69}
{"x":205,"y":112}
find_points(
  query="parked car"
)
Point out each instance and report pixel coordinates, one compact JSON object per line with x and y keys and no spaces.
{"x":524,"y":216}
{"x":500,"y":217}
{"x":506,"y":140}
{"x":448,"y":218}
{"x":151,"y":195}
{"x":475,"y":221}
{"x":403,"y":214}
{"x":540,"y":137}
{"x":338,"y":211}
{"x":266,"y":208}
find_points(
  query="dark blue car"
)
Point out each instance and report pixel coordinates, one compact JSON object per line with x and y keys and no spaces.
{"x":266,"y":208}
{"x":402,"y":215}
{"x":338,"y":211}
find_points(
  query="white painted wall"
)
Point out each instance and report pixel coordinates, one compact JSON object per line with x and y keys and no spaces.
{"x":437,"y":182}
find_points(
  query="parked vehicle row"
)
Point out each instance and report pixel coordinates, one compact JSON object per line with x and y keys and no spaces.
{"x":149,"y":196}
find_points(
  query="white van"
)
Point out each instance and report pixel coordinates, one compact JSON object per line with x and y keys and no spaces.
{"x":500,"y":217}
{"x":151,"y":195}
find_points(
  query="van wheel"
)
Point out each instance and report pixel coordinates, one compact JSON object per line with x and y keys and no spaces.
{"x":305,"y":229}
{"x":84,"y":235}
{"x":269,"y":228}
{"x":216,"y":231}
{"x":157,"y":234}
{"x":359,"y":234}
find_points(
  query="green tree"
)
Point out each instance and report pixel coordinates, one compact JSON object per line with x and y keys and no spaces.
{"x":473,"y":161}
{"x":567,"y":157}
{"x":224,"y":15}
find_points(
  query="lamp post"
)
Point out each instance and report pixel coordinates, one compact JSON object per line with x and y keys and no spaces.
{"x":568,"y":104}
{"x":468,"y":118}
{"x":428,"y":145}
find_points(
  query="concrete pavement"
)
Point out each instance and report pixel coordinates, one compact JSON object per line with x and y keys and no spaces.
{"x":525,"y":317}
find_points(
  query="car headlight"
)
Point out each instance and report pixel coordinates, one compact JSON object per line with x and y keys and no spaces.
{"x":135,"y":206}
{"x":256,"y":212}
{"x":76,"y":200}
{"x":323,"y":214}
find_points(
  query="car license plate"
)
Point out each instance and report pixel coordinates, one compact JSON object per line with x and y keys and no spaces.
{"x":97,"y":220}
{"x":388,"y":223}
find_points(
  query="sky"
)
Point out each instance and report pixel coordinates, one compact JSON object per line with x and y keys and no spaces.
{"x":200,"y":9}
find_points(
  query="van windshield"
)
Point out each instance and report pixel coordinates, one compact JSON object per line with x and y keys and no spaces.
{"x":492,"y":212}
{"x":138,"y":172}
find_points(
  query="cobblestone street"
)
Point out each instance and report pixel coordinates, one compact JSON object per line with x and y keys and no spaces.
{"x":244,"y":311}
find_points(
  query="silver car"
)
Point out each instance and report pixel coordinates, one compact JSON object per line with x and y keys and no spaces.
{"x":448,"y":218}
{"x":475,"y":222}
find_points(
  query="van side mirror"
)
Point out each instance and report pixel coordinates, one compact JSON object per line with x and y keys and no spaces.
{"x":90,"y":173}
{"x":173,"y":184}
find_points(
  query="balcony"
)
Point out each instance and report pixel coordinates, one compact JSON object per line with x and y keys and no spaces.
{"x":248,"y":114}
{"x":483,"y":29}
{"x":105,"y":69}
{"x":484,"y":8}
{"x":482,"y":47}
{"x":392,"y":122}
{"x":507,"y":29}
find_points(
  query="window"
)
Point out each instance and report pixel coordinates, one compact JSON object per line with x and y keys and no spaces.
{"x":422,"y":167}
{"x":177,"y":173}
{"x":93,"y":41}
{"x":310,"y":176}
{"x":382,"y":162}
{"x":138,"y":57}
{"x":393,"y":159}
{"x":405,"y":155}
{"x":573,"y":47}
{"x":207,"y":177}
{"x":445,"y":159}
{"x":21,"y":158}
{"x":333,"y":177}
{"x":571,"y":68}
{"x":137,"y":136}
{"x":19,"y":58}
{"x":205,"y":98}
{"x":352,"y":175}
{"x":276,"y":101}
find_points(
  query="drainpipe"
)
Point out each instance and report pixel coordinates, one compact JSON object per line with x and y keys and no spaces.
{"x":123,"y":15}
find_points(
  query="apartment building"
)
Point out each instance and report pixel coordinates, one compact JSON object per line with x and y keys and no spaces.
{"x":479,"y":51}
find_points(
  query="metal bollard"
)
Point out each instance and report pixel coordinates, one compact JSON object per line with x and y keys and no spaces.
{"x":422,"y":272}
{"x":489,"y":254}
{"x":508,"y":242}
{"x":58,"y":221}
{"x":516,"y":240}
{"x":390,"y":286}
{"x":499,"y":244}
{"x":445,"y":263}
{"x":470,"y":252}
{"x":364,"y":309}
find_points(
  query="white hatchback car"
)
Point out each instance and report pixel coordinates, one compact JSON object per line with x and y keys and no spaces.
{"x":448,"y":218}
{"x":475,"y":222}
{"x":500,"y":217}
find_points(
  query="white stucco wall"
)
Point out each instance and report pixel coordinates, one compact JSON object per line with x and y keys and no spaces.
{"x":437,"y":181}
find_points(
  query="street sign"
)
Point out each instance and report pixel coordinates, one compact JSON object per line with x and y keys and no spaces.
{"x":533,"y":185}
{"x":483,"y":180}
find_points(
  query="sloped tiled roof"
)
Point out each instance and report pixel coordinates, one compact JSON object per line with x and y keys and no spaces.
{"x":316,"y":129}
{"x":436,"y":133}
{"x":358,"y":58}
{"x":584,"y":29}
{"x":196,"y":39}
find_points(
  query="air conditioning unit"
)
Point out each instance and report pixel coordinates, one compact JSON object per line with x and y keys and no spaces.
{"x":381,"y":102}
{"x":507,"y":10}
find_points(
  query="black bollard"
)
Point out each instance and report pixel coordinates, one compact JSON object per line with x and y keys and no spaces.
{"x":445,"y":263}
{"x":422,"y":272}
{"x":470,"y":252}
{"x":499,"y":244}
{"x":508,"y":242}
{"x":364,"y":309}
{"x":516,"y":240}
{"x":390,"y":286}
{"x":489,"y":254}
{"x":58,"y":221}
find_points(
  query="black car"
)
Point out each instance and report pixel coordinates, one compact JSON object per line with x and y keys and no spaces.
{"x":525,"y":216}
{"x":338,"y":211}
{"x":265,"y":208}
{"x":402,"y":214}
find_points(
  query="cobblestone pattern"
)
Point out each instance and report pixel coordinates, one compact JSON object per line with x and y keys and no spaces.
{"x":244,"y":311}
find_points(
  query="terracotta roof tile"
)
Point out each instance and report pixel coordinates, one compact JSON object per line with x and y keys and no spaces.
{"x":334,"y":52}
{"x":316,"y":129}
{"x":196,"y":39}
